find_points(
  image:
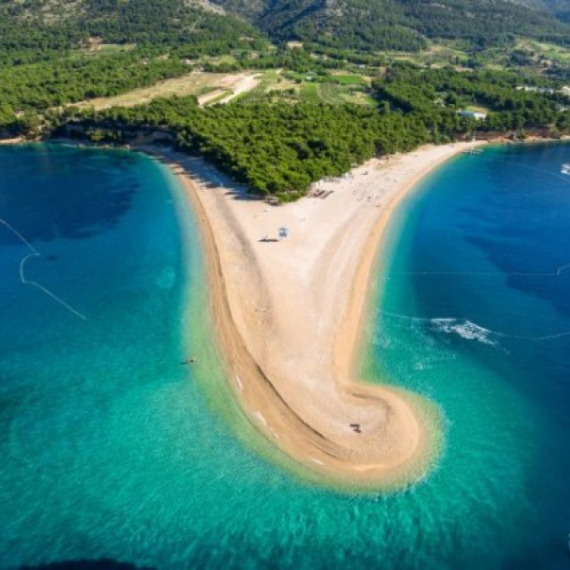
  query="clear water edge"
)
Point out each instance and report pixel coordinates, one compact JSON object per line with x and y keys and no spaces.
{"x":509,"y":416}
{"x":200,"y":339}
{"x":185,"y":494}
{"x":223,"y":400}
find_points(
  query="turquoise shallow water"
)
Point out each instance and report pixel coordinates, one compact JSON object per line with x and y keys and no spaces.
{"x":109,"y":448}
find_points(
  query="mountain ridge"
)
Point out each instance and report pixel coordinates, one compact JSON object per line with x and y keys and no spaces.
{"x":404,"y":25}
{"x":401,"y":24}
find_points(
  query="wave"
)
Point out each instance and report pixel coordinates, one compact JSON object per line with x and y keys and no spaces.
{"x":463,"y":328}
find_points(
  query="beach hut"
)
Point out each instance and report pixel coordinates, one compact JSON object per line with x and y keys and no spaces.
{"x":283,"y":233}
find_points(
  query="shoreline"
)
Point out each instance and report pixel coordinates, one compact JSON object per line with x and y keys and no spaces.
{"x":401,"y":433}
{"x":403,"y":436}
{"x":352,"y":334}
{"x":14,"y":141}
{"x":369,"y":256}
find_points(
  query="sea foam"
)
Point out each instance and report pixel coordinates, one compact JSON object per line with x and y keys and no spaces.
{"x":465,"y":329}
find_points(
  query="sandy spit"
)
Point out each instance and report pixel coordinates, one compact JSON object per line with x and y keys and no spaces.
{"x":288,"y":316}
{"x":17,"y":140}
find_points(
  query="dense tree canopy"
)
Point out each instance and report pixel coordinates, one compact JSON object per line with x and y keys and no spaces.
{"x":436,"y":95}
{"x":54,"y":53}
{"x":274,"y":148}
{"x":282,"y":148}
{"x":400,"y":24}
{"x":58,"y":52}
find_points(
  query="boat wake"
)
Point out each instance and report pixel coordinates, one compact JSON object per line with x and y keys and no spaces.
{"x":465,"y":329}
{"x":468,"y":330}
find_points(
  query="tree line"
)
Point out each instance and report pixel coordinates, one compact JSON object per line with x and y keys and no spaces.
{"x":510,"y":101}
{"x":282,"y":148}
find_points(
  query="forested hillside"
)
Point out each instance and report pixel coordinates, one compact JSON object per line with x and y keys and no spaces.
{"x":400,"y":24}
{"x":54,"y":52}
{"x":38,"y":29}
{"x":559,"y":8}
{"x":41,"y":25}
{"x":280,"y":148}
{"x":367,"y":78}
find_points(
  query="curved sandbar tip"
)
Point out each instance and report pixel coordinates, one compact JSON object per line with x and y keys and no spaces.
{"x":288,"y":317}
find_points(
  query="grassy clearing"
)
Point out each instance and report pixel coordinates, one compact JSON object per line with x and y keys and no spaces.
{"x":227,"y":59}
{"x":267,"y":82}
{"x":214,"y":97}
{"x":436,"y":55}
{"x":544,"y":50}
{"x":211,"y":88}
{"x":351,"y":79}
{"x":351,"y":89}
{"x":361,"y":98}
{"x":276,"y":86}
{"x":330,"y":93}
{"x":103,"y":49}
{"x":115,"y":48}
{"x":476,"y":109}
{"x":196,"y":83}
{"x":336,"y":89}
{"x":310,"y":93}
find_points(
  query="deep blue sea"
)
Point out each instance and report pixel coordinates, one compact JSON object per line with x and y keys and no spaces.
{"x":111,"y":449}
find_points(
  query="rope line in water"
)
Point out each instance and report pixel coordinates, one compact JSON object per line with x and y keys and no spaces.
{"x":36,"y":253}
{"x":561,"y":175}
{"x":556,"y":273}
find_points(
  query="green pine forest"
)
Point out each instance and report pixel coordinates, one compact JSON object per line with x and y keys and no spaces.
{"x":364,"y":80}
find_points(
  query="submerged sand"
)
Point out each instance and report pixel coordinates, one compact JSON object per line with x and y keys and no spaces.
{"x":288,"y":314}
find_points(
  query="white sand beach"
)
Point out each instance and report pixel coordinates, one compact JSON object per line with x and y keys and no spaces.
{"x":288,"y":314}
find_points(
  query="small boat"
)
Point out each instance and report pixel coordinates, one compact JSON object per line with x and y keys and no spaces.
{"x":565,"y":169}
